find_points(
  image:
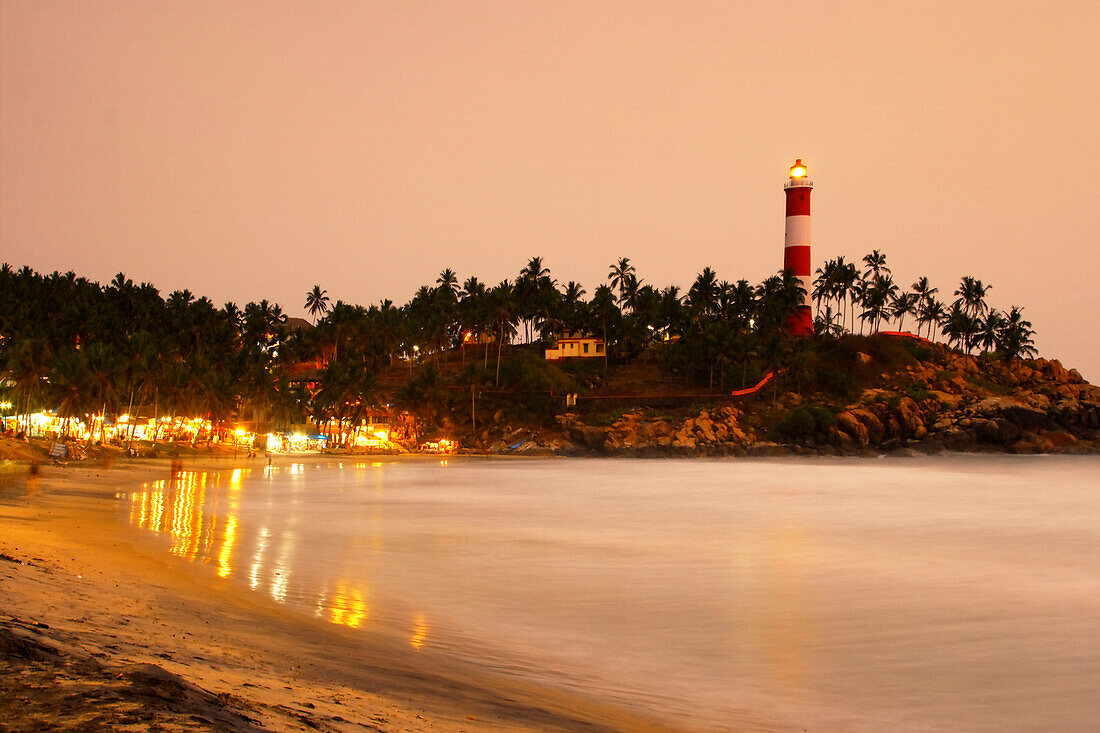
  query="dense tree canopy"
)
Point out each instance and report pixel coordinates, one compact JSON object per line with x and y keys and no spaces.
{"x":82,"y":348}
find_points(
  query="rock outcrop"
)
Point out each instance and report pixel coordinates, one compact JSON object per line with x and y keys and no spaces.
{"x":952,"y":402}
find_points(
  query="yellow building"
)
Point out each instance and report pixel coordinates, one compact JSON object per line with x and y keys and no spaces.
{"x":576,"y":346}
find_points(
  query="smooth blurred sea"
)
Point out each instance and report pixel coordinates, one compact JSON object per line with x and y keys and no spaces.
{"x":940,"y":593}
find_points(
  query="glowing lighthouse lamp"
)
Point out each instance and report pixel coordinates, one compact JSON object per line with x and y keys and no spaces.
{"x":796,"y":244}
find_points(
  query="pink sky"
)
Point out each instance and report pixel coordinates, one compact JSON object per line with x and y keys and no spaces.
{"x":250,"y":150}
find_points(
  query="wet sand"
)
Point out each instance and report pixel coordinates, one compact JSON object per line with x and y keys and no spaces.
{"x":99,"y":632}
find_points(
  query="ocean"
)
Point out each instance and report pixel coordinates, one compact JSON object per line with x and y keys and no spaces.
{"x":935,"y":593}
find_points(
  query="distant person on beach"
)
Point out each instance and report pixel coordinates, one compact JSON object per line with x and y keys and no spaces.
{"x":32,"y":478}
{"x":175,"y":467}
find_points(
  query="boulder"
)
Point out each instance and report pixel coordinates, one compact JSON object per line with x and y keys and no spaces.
{"x":683,"y":441}
{"x":986,"y":430}
{"x":1091,"y":418}
{"x":592,"y":437}
{"x":956,"y":439}
{"x":875,"y":429}
{"x":872,"y":395}
{"x":943,"y":423}
{"x":909,"y":414}
{"x":1060,"y":439}
{"x":1036,"y":400}
{"x":704,"y":430}
{"x":729,"y":412}
{"x":1067,"y":412}
{"x":848,"y":423}
{"x":946,"y":399}
{"x":1056,"y":371}
{"x":737,"y":435}
{"x":1012,"y":410}
{"x":1032,"y":443}
{"x":1067,"y":390}
{"x":1007,"y":431}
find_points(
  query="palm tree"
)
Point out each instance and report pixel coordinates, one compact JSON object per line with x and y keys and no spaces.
{"x":875,"y":265}
{"x":989,"y":330}
{"x":472,"y":315}
{"x":925,"y":294}
{"x":847,"y":275}
{"x":317,"y":302}
{"x":29,"y":363}
{"x":574,"y":293}
{"x":101,"y":380}
{"x":959,"y":327}
{"x":930,"y":313}
{"x":923,"y":288}
{"x":903,"y":304}
{"x":972,"y":294}
{"x":824,"y":285}
{"x":572,"y":306}
{"x":630,"y":290}
{"x":69,"y":385}
{"x":448,"y":282}
{"x":233,"y":317}
{"x":619,"y":275}
{"x":672,"y":310}
{"x":828,"y":323}
{"x":503,"y":310}
{"x":534,"y":271}
{"x":703,"y":294}
{"x":603,"y":310}
{"x":876,"y":300}
{"x":534,"y":294}
{"x":1015,"y":337}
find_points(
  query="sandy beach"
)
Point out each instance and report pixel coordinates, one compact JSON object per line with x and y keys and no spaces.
{"x":99,"y":632}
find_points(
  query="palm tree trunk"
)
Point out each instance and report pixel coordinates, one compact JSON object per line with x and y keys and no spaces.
{"x":500,"y":344}
{"x":156,"y":411}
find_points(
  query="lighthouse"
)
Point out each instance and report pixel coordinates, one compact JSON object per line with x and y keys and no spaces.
{"x":796,"y":243}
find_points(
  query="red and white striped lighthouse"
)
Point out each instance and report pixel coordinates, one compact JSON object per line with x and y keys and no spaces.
{"x":796,"y":243}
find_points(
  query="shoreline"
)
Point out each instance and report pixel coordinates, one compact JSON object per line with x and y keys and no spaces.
{"x":96,"y":629}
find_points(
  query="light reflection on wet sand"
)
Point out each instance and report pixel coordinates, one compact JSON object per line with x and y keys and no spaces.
{"x":954,"y":593}
{"x":204,"y":527}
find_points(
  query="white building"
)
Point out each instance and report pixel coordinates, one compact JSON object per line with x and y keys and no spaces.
{"x":576,"y":346}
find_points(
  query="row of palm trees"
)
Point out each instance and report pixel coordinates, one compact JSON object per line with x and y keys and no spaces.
{"x":70,"y":344}
{"x":841,"y":293}
{"x":85,"y":348}
{"x":451,"y":319}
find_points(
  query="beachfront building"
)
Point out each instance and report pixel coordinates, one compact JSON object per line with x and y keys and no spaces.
{"x":576,"y":345}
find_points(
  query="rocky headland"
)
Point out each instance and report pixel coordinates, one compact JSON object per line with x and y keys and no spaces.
{"x":944,"y":402}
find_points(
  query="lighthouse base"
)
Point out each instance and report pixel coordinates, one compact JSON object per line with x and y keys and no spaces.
{"x":801,"y":322}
